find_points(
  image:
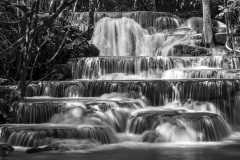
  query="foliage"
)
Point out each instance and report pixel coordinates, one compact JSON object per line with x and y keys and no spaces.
{"x":231,"y":10}
{"x":45,"y":43}
{"x":9,"y":33}
{"x":8,"y":97}
{"x":186,"y":8}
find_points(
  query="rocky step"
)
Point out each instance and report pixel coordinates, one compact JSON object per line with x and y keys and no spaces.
{"x":42,"y":109}
{"x":157,"y":92}
{"x":207,"y":126}
{"x":41,"y":134}
{"x":147,"y":67}
{"x":205,"y":73}
{"x":184,"y":50}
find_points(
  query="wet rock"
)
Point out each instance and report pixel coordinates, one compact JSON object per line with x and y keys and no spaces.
{"x":150,"y":136}
{"x":186,"y":50}
{"x":6,"y":149}
{"x":39,"y":149}
{"x":63,"y":72}
{"x":83,"y":50}
{"x":91,"y":51}
{"x":180,"y":31}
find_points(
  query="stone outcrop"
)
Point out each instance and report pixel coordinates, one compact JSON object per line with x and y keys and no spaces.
{"x":186,"y":50}
{"x":6,"y":149}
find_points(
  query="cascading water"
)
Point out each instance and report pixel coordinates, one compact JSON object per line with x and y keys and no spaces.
{"x":146,"y":67}
{"x":197,"y":22}
{"x":156,"y":21}
{"x":148,"y":85}
{"x":41,"y":134}
{"x":125,"y":37}
{"x":203,"y":73}
{"x":42,"y":112}
{"x":118,"y":37}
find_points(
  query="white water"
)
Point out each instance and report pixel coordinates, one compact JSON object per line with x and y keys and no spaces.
{"x":180,"y":132}
{"x":118,"y":37}
{"x":125,"y":37}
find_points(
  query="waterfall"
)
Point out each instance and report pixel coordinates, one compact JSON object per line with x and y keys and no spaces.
{"x":38,"y":135}
{"x":152,"y":81}
{"x":197,"y":22}
{"x":146,"y":67}
{"x":118,"y":37}
{"x":42,"y":112}
{"x":176,"y":126}
{"x":124,"y":36}
{"x":145,"y":19}
{"x":203,"y":73}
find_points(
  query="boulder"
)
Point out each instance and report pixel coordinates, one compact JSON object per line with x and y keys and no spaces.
{"x":6,"y":149}
{"x":186,"y":50}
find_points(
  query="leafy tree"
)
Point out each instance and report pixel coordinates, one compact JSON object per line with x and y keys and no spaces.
{"x":38,"y":37}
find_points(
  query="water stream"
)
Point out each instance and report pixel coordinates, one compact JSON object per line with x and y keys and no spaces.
{"x":139,"y":95}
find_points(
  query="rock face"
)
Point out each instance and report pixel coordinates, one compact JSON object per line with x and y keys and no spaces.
{"x":81,"y":48}
{"x":6,"y":149}
{"x":186,"y":50}
{"x":63,"y":72}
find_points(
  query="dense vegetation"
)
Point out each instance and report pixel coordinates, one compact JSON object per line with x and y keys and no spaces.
{"x":34,"y":42}
{"x":186,"y":8}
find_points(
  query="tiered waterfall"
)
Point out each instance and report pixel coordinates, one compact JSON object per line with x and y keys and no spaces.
{"x":153,"y":79}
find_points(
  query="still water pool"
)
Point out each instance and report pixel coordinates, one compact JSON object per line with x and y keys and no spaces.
{"x":229,"y":149}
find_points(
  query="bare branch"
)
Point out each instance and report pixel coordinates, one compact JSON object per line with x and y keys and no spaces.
{"x":8,"y":14}
{"x":22,"y":8}
{"x":12,"y":47}
{"x":58,"y":51}
{"x":14,"y":22}
{"x":48,"y":20}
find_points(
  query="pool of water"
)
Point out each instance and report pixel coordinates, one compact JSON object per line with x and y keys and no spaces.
{"x":228,"y":149}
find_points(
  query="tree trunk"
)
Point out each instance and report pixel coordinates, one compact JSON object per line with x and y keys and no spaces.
{"x":91,"y":19}
{"x":52,"y":7}
{"x":23,"y":81}
{"x":157,"y":5}
{"x":207,"y":25}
